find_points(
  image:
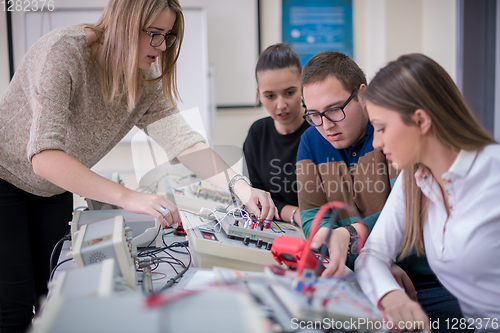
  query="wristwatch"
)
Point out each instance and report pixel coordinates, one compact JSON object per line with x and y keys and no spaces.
{"x":353,"y":241}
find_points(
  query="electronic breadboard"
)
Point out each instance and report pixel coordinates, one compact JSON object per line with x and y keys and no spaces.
{"x":330,"y":302}
{"x":228,"y":240}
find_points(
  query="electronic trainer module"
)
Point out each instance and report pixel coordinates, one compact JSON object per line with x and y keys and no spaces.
{"x":233,"y":239}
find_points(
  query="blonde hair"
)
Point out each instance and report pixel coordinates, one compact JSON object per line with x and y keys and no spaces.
{"x":118,"y":32}
{"x":413,"y":82}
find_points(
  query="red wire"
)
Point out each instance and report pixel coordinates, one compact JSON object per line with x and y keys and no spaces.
{"x":316,"y":223}
{"x":314,"y":228}
{"x":160,"y":273}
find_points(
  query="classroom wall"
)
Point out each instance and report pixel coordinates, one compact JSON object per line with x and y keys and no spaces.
{"x":383,"y":30}
{"x":4,"y":53}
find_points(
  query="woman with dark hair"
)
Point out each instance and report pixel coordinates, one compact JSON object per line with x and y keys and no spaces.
{"x":271,"y":145}
{"x":78,"y":91}
{"x":445,"y":202}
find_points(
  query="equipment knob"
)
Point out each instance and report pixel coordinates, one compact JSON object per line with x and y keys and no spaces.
{"x":259,"y":243}
{"x":269,"y":245}
{"x":246,"y":240}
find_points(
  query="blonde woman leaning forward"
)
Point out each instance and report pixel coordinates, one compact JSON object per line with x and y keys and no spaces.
{"x":75,"y":95}
{"x":445,"y":202}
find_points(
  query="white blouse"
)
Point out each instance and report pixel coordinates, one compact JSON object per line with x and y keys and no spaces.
{"x":463,"y":249}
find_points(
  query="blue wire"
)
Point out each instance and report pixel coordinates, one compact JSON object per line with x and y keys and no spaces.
{"x":280,"y":228}
{"x":270,"y":227}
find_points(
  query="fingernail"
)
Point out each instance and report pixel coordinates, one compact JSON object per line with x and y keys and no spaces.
{"x":314,"y":244}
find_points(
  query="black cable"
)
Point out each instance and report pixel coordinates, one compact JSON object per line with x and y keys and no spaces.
{"x":180,"y":252}
{"x":147,"y":247}
{"x":54,"y":270}
{"x":57,"y":248}
{"x":179,"y":262}
{"x":173,"y":280}
{"x":170,"y":260}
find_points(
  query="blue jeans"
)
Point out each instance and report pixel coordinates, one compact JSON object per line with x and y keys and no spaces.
{"x":440,"y":305}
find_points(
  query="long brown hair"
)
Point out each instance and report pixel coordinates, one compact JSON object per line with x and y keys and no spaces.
{"x":118,"y":32}
{"x":414,"y":81}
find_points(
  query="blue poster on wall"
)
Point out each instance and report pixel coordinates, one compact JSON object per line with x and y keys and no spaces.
{"x":313,"y":26}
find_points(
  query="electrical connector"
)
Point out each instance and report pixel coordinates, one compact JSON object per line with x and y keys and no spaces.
{"x":221,"y":209}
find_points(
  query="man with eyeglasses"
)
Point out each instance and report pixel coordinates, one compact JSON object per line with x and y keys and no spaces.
{"x":336,"y":161}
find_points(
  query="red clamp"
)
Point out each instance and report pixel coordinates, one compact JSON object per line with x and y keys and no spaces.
{"x":290,"y":251}
{"x":179,"y":231}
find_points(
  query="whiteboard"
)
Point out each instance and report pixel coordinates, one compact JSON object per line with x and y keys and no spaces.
{"x":192,"y":67}
{"x":233,"y":48}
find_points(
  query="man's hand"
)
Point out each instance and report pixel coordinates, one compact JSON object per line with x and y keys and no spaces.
{"x":338,"y":245}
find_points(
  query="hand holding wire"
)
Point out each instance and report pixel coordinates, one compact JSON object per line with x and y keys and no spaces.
{"x":155,"y":205}
{"x":258,"y":201}
{"x":337,"y":247}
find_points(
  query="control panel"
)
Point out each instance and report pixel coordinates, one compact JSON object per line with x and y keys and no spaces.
{"x":233,"y":239}
{"x":106,"y":239}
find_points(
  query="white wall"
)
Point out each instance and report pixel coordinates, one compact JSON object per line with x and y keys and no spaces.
{"x":383,"y":30}
{"x":232,"y":47}
{"x":4,"y":54}
{"x":439,"y":33}
{"x":386,"y":29}
{"x":370,"y":36}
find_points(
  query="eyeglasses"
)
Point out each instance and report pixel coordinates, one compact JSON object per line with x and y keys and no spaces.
{"x":157,"y":39}
{"x":335,"y":114}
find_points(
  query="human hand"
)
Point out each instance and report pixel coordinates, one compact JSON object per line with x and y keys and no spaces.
{"x":337,"y":247}
{"x":404,"y":281}
{"x":402,"y":311}
{"x":151,"y":204}
{"x":258,"y":201}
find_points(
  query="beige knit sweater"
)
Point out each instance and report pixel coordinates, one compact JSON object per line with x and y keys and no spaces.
{"x":55,"y":102}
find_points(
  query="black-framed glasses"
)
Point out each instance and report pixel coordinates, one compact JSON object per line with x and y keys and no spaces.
{"x":157,"y":39}
{"x":334,"y":114}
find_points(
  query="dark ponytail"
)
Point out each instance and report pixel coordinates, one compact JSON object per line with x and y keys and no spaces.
{"x":277,"y":56}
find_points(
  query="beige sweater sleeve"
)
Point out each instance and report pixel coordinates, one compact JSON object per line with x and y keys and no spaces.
{"x":49,"y":89}
{"x":167,"y":127}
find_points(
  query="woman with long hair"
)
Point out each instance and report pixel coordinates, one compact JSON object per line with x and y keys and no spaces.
{"x":77,"y":92}
{"x":445,"y":202}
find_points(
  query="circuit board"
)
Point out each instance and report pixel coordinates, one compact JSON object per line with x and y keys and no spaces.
{"x":328,"y":303}
{"x":233,"y":240}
